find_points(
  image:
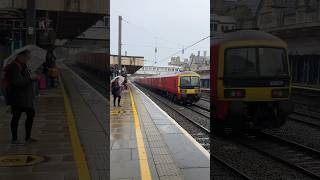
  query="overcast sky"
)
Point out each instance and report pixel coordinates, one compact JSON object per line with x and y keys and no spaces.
{"x":168,"y":24}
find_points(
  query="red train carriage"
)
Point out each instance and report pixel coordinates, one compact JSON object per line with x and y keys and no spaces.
{"x":250,"y":81}
{"x":180,"y":87}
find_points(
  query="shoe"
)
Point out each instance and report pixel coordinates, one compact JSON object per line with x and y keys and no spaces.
{"x":31,"y":140}
{"x":16,"y":142}
{"x":119,"y":105}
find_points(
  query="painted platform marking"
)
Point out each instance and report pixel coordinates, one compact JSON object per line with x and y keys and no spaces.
{"x":116,"y":112}
{"x":143,"y":159}
{"x":16,"y":160}
{"x":78,"y":154}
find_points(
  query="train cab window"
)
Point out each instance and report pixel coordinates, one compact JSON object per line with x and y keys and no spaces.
{"x":189,"y":81}
{"x":241,"y":61}
{"x":272,"y":62}
{"x":254,"y":62}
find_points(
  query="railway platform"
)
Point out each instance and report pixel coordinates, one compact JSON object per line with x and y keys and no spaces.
{"x":146,"y":143}
{"x":71,"y":128}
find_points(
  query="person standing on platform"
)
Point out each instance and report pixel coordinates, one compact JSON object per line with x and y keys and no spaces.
{"x":116,"y":91}
{"x":21,"y":95}
{"x":49,"y":64}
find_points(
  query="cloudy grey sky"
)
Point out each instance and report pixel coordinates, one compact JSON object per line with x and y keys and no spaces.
{"x":168,"y":25}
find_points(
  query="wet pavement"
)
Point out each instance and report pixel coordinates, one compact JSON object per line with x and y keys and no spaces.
{"x":51,"y":129}
{"x":170,"y":152}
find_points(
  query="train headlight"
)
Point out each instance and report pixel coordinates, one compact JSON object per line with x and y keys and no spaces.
{"x":183,"y":91}
{"x":234,"y":93}
{"x":280,"y":93}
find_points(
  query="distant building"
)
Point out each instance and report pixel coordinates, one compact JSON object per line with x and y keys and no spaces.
{"x":219,"y":24}
{"x":193,"y":63}
{"x":244,"y":12}
{"x":176,"y":61}
{"x":199,"y":60}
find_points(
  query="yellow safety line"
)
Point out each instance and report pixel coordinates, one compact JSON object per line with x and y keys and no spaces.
{"x":143,"y":160}
{"x":78,"y":154}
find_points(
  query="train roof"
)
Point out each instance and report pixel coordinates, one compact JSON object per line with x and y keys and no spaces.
{"x":175,"y":74}
{"x":244,"y":35}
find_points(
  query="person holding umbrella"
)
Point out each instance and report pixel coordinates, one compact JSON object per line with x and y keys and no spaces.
{"x":20,"y":94}
{"x":116,"y":91}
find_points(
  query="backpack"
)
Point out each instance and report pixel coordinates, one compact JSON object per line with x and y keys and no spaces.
{"x":115,"y":88}
{"x":5,"y":84}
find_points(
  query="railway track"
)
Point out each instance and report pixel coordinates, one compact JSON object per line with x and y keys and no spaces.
{"x":238,"y":173}
{"x":206,"y":99}
{"x":97,"y":83}
{"x":299,"y":157}
{"x":306,"y":115}
{"x":202,"y":105}
{"x":302,"y":117}
{"x":202,"y":133}
{"x":199,"y":110}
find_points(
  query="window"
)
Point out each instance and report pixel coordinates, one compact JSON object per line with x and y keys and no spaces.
{"x":106,"y":21}
{"x":189,"y":81}
{"x":253,"y":62}
{"x":215,"y":27}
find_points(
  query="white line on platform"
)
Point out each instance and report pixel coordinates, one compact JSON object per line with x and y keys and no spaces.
{"x":202,"y":149}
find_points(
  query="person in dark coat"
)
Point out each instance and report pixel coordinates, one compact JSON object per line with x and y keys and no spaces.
{"x":49,"y":63}
{"x":21,"y":95}
{"x":116,"y":91}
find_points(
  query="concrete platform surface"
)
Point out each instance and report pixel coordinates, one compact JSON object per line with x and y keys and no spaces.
{"x":169,"y":151}
{"x":51,"y":129}
{"x":92,"y":122}
{"x":71,"y":124}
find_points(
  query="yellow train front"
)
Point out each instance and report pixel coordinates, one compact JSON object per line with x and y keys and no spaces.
{"x":250,"y":81}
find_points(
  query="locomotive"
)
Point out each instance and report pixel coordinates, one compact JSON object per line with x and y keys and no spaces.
{"x":180,"y":87}
{"x":250,"y":81}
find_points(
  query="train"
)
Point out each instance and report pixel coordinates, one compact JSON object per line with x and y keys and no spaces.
{"x":250,"y":81}
{"x":181,"y":87}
